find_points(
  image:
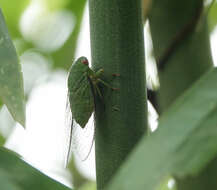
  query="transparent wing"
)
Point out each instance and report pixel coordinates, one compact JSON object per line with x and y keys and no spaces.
{"x":79,"y":140}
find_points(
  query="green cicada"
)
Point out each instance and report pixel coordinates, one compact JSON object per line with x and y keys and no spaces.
{"x":83,"y":87}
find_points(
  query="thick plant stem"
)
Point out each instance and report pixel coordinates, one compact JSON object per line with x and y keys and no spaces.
{"x":117,"y":46}
{"x":189,"y":58}
{"x":180,"y":35}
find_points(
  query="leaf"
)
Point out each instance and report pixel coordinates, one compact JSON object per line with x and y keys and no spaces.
{"x":13,"y":12}
{"x":16,"y":173}
{"x":6,"y":182}
{"x":88,"y":186}
{"x":11,"y":81}
{"x":2,"y":140}
{"x":165,"y":184}
{"x":183,"y":145}
{"x":78,"y":179}
{"x":212,"y":17}
{"x":57,"y":4}
{"x":63,"y":57}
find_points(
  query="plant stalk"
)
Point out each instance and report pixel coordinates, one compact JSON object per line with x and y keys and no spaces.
{"x":117,"y":46}
{"x":179,"y":27}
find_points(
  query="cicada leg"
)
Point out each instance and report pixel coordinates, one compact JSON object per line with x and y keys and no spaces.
{"x":95,"y":76}
{"x":106,"y":84}
{"x":98,"y":91}
{"x":115,"y":75}
{"x":99,"y":73}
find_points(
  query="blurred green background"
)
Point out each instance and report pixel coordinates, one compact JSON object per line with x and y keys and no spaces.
{"x":45,"y":34}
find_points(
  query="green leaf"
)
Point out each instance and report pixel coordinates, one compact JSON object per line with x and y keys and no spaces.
{"x":13,"y":11}
{"x":6,"y":182}
{"x":78,"y":179}
{"x":88,"y":186}
{"x":165,"y":184}
{"x":212,"y":17}
{"x":16,"y":173}
{"x":11,"y":81}
{"x":57,"y":4}
{"x":2,"y":141}
{"x":183,"y":145}
{"x":63,"y":57}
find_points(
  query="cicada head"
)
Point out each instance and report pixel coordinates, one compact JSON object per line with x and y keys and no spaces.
{"x":84,"y":60}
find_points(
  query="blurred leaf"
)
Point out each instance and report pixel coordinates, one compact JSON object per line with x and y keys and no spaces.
{"x":165,"y":185}
{"x":7,"y":123}
{"x":6,"y":182}
{"x":57,"y":4}
{"x":16,"y":173}
{"x":2,"y":141}
{"x":88,"y":186}
{"x":183,"y":145}
{"x":63,"y":57}
{"x":11,"y":81}
{"x":78,"y":179}
{"x":1,"y":104}
{"x":212,"y":17}
{"x":12,"y":11}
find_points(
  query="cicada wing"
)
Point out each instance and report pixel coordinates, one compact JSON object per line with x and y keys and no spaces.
{"x":79,"y":140}
{"x":82,"y":139}
{"x":81,"y":102}
{"x":68,"y":132}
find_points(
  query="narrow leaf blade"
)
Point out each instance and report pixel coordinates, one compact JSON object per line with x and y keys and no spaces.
{"x":183,"y":144}
{"x":24,"y":176}
{"x":11,"y":81}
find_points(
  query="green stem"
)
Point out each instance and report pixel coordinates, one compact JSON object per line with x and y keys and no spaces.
{"x":190,"y":57}
{"x":117,"y":46}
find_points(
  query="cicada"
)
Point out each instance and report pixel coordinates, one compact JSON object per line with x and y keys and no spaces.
{"x":83,"y":87}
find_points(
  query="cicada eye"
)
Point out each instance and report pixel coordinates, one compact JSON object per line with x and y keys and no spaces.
{"x":85,"y":61}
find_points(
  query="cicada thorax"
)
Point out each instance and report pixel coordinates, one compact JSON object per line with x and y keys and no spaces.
{"x":77,"y":73}
{"x":94,"y":80}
